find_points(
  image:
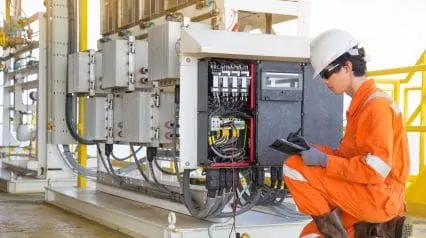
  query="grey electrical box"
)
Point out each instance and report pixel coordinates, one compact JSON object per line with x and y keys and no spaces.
{"x":166,"y":117}
{"x":137,"y":117}
{"x":163,"y":51}
{"x":78,"y":72}
{"x":118,"y":117}
{"x":98,"y":73}
{"x":80,"y":77}
{"x":95,"y":124}
{"x":123,"y":63}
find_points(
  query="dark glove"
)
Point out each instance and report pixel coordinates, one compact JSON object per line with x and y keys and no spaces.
{"x":297,"y":139}
{"x":314,"y":157}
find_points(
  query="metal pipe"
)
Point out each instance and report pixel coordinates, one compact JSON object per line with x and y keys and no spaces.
{"x":420,"y":129}
{"x":397,"y":92}
{"x":406,"y":91}
{"x":414,"y":115}
{"x":82,"y":149}
{"x":8,"y":16}
{"x":423,"y":118}
{"x":401,"y":70}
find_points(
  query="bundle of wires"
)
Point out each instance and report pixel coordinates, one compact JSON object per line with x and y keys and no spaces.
{"x":227,"y":146}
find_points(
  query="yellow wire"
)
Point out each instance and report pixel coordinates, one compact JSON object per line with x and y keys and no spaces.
{"x":245,"y":137}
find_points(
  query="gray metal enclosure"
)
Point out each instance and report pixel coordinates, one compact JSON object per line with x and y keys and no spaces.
{"x":323,"y":112}
{"x":299,"y":102}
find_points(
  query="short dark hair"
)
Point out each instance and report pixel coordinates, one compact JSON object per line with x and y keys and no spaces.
{"x":359,"y":65}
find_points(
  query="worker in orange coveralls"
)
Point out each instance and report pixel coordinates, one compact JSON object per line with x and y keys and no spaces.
{"x":357,"y":189}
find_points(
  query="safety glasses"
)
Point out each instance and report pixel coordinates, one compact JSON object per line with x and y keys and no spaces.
{"x":330,"y":70}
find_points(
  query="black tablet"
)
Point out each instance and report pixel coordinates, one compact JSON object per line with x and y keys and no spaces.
{"x":287,"y":147}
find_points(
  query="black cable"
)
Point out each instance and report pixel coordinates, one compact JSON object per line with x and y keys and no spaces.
{"x":102,"y":158}
{"x":282,"y":195}
{"x":68,"y":101}
{"x":162,"y":170}
{"x":138,"y":165}
{"x":111,"y":168}
{"x":70,"y":122}
{"x":246,"y":208}
{"x":72,"y":163}
{"x":193,"y":210}
{"x":125,"y":158}
{"x":159,"y":185}
{"x":153,"y":191}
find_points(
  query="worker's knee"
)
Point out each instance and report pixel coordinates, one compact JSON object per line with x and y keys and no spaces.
{"x":294,"y":161}
{"x":293,"y":168}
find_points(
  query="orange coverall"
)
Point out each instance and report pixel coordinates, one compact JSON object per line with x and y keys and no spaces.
{"x":365,"y":177}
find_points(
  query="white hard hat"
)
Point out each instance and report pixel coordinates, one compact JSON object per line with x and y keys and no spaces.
{"x":329,"y":46}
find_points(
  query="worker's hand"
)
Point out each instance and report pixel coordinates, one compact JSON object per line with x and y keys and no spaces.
{"x":298,"y":140}
{"x":314,"y":157}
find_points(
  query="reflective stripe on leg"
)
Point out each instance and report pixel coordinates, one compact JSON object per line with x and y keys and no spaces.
{"x":293,"y":174}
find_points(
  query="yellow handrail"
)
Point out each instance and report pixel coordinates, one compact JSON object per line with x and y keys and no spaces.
{"x":420,"y":109}
{"x":416,"y":194}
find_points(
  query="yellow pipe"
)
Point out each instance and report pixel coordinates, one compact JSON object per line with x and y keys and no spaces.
{"x":396,"y":92}
{"x":401,"y":70}
{"x":420,"y":129}
{"x":406,"y":91}
{"x":423,"y":118}
{"x":412,"y":178}
{"x":8,"y":16}
{"x":82,"y":149}
{"x":413,"y":88}
{"x":83,"y":25}
{"x":405,"y":104}
{"x":387,"y":81}
{"x":414,"y":115}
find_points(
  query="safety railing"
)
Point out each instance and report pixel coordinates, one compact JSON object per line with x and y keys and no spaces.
{"x":407,"y":85}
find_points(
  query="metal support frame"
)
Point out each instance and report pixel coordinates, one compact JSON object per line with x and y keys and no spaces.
{"x":50,"y":109}
{"x":11,"y":85}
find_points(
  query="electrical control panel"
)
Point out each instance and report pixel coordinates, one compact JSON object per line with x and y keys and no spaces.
{"x":243,"y":106}
{"x":226,"y":107}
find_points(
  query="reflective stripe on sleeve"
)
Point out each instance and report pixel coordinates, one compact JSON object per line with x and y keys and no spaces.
{"x":312,"y":235}
{"x":378,"y":165}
